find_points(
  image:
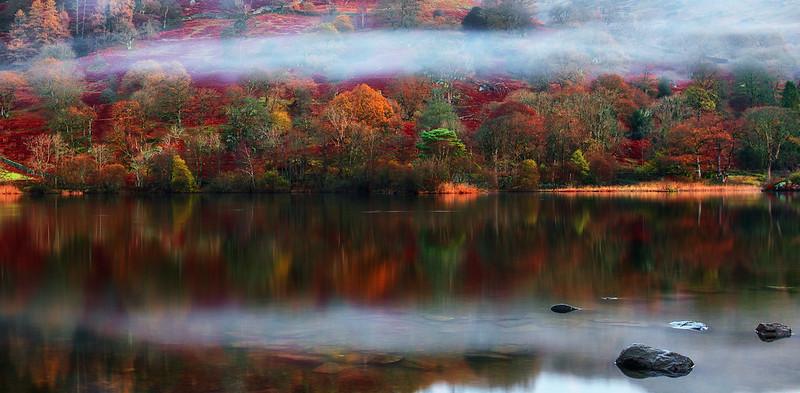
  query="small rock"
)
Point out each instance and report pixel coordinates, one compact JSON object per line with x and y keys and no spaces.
{"x":642,"y":361}
{"x":563,"y":308}
{"x":689,"y":325}
{"x":773,"y":331}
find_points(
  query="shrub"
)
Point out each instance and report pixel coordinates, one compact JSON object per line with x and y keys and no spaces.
{"x":794,"y":177}
{"x":112,"y":178}
{"x":272,"y":181}
{"x":429,"y":174}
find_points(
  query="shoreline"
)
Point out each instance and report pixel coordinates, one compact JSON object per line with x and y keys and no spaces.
{"x":664,"y":188}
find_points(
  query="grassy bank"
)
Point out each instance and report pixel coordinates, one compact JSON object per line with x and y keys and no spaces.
{"x":662,"y":186}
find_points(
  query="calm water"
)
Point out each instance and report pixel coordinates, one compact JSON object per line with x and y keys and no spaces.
{"x":341,"y":293}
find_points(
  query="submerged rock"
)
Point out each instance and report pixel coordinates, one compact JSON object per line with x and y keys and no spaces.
{"x":642,"y":361}
{"x":689,"y":325}
{"x":773,"y":331}
{"x":563,"y":308}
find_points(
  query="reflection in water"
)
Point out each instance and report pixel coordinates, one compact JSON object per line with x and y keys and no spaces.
{"x":339,"y":293}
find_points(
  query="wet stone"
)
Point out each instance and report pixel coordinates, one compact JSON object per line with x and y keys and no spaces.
{"x":768,"y":332}
{"x":642,"y":361}
{"x":563,"y":308}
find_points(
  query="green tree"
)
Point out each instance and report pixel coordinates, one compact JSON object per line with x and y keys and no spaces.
{"x":664,"y":88}
{"x":701,"y":99}
{"x":182,"y":179}
{"x":790,"y":97}
{"x":438,"y":114}
{"x":527,"y":176}
{"x":580,"y":165}
{"x":770,"y":128}
{"x":440,"y":144}
{"x":641,"y":123}
{"x":752,"y":86}
{"x":248,"y":121}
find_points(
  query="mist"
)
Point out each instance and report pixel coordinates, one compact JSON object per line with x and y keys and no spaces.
{"x":577,"y":37}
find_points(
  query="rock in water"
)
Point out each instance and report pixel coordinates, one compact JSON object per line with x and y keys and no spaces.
{"x":689,"y":325}
{"x":773,"y":331}
{"x":563,"y":308}
{"x":642,"y":361}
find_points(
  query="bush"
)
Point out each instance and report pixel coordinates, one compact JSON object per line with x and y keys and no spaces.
{"x":428,"y":174}
{"x":78,"y":172}
{"x":112,"y":178}
{"x":272,"y":181}
{"x":230,"y":182}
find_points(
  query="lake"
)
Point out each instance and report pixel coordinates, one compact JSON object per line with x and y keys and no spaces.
{"x":341,"y":293}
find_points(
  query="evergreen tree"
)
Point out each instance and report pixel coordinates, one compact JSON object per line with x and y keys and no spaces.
{"x":438,"y":114}
{"x":791,"y":97}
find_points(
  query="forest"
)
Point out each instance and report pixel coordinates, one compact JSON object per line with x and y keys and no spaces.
{"x":88,"y":103}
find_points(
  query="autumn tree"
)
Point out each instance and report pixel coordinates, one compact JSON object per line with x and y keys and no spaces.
{"x":46,"y":153}
{"x":692,"y":138}
{"x":74,"y":124}
{"x":112,"y":21}
{"x":362,"y":110}
{"x":10,"y":85}
{"x":411,"y":93}
{"x":165,"y":91}
{"x":512,"y":133}
{"x":58,"y":83}
{"x":43,"y":25}
{"x":770,"y":128}
{"x":201,"y":144}
{"x":128,"y":132}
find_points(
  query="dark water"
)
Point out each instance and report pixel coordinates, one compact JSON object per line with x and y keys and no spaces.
{"x":341,"y":293}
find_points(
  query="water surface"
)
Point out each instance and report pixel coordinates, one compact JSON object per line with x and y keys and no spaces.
{"x":343,"y":293}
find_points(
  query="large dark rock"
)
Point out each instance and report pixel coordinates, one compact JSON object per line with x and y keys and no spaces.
{"x":642,"y":361}
{"x":563,"y":308}
{"x":773,"y":331}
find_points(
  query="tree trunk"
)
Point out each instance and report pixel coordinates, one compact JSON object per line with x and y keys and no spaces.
{"x":699,"y":173}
